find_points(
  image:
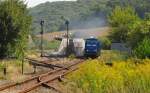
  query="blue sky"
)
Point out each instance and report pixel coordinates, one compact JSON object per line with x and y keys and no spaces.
{"x":32,"y":3}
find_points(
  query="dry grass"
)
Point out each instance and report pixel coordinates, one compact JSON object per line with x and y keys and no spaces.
{"x":13,"y":70}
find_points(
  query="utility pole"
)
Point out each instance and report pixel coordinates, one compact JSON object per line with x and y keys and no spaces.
{"x":42,"y":32}
{"x":67,"y":27}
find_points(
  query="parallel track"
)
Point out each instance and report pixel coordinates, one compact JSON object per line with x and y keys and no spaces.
{"x":43,"y":79}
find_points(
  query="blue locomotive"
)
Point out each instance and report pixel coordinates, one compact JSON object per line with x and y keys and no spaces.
{"x":92,"y":47}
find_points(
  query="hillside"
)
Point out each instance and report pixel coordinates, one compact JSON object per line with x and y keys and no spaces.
{"x":81,"y":14}
{"x":55,"y":14}
{"x":79,"y":33}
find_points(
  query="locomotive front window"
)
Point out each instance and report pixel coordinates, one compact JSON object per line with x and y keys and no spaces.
{"x":91,"y":42}
{"x":94,"y":45}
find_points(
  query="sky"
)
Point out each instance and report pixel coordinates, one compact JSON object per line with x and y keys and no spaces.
{"x":32,"y":3}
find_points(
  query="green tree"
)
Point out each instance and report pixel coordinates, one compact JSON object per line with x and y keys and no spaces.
{"x":143,"y":49}
{"x":14,"y":27}
{"x":121,"y":19}
{"x":139,"y":31}
{"x":105,"y":42}
{"x":147,"y":16}
{"x":140,"y":6}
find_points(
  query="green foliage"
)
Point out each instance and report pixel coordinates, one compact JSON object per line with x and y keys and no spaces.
{"x":121,"y":19}
{"x":141,"y":6}
{"x":51,"y":44}
{"x":129,"y":28}
{"x":147,"y":16}
{"x":139,"y":31}
{"x":14,"y":27}
{"x":143,"y":49}
{"x":105,"y":42}
{"x":54,"y":44}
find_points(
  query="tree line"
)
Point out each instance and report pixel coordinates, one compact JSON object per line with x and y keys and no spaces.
{"x":55,"y":13}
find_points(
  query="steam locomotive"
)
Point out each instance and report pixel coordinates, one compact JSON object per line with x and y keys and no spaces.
{"x":92,"y":47}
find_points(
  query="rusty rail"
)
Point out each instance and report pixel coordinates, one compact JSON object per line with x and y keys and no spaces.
{"x":39,"y":78}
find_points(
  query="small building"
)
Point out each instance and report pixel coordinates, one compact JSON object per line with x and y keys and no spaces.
{"x":120,"y":47}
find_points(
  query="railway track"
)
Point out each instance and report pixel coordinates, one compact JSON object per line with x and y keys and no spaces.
{"x":46,"y":64}
{"x":39,"y":80}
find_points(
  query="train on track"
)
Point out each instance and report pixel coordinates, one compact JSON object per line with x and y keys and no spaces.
{"x":92,"y":47}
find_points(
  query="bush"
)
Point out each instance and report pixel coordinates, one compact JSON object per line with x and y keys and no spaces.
{"x":139,"y":31}
{"x":105,"y":42}
{"x":143,"y":49}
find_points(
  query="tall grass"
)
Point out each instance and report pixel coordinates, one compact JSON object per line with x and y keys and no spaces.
{"x":14,"y":68}
{"x":111,"y":55}
{"x":127,"y":76}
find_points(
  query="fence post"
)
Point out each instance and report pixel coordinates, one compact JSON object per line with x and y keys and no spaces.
{"x":5,"y":71}
{"x":22,"y":66}
{"x":34,"y":66}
